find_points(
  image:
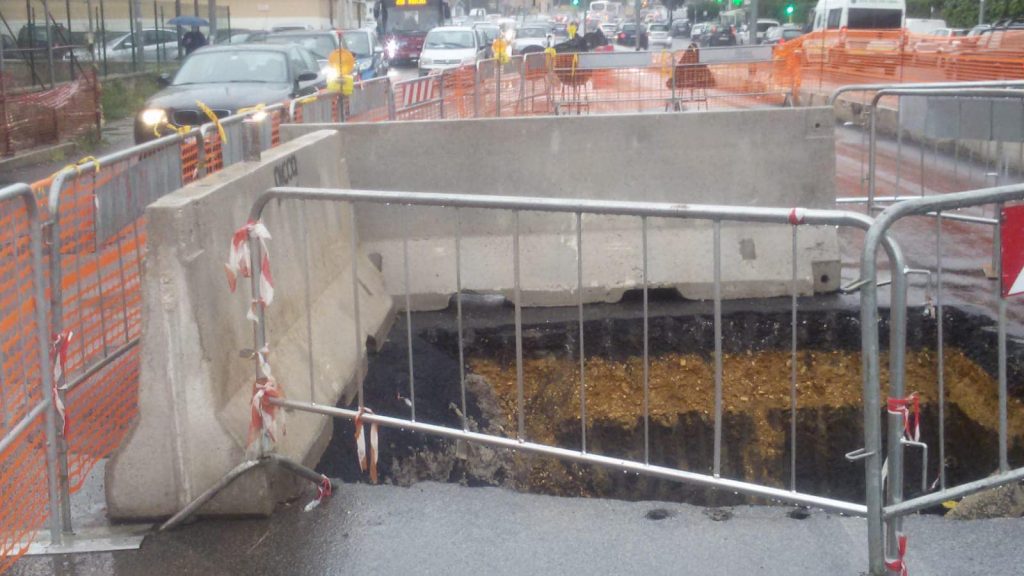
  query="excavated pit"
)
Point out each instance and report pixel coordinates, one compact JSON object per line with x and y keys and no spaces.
{"x":756,"y":398}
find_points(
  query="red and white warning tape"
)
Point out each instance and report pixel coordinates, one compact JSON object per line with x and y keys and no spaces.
{"x":899,"y":564}
{"x":323,"y":491}
{"x":264,"y":421}
{"x":903,"y":407}
{"x":238,"y":263}
{"x":361,"y":445}
{"x":796,"y":216}
{"x":59,"y":354}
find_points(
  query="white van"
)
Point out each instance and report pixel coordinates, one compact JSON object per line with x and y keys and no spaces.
{"x":859,"y":14}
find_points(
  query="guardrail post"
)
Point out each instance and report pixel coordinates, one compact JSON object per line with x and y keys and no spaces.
{"x":252,"y":140}
{"x":441,"y":91}
{"x":476,"y":90}
{"x":391,"y":100}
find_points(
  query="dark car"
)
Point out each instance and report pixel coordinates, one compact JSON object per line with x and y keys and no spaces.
{"x":369,"y":54}
{"x":719,"y":35}
{"x":320,"y":42}
{"x":225,"y":79}
{"x":626,"y":36}
{"x":680,"y":28}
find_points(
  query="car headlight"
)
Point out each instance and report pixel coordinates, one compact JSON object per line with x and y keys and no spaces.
{"x":364,"y":65}
{"x":154,"y":116}
{"x":469,"y":60}
{"x":425,"y":60}
{"x":391,"y":48}
{"x":330,"y":73}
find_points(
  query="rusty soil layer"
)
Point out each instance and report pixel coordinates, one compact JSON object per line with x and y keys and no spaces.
{"x":757,"y":371}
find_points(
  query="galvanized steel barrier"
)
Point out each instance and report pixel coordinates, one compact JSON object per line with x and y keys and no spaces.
{"x":28,"y":429}
{"x":575,"y":210}
{"x":889,"y":554}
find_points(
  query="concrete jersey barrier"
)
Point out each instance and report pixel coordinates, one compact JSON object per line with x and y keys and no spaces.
{"x":786,"y":159}
{"x":195,"y":389}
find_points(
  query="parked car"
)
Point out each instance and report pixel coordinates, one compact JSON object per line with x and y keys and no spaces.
{"x":681,"y":28}
{"x":781,"y":34}
{"x":609,"y":29}
{"x":226,"y":79}
{"x":532,"y":38}
{"x":450,"y":47}
{"x":658,"y":34}
{"x":157,"y":44}
{"x":368,"y":51}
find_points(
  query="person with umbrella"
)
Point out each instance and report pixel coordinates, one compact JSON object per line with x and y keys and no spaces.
{"x":193,"y":39}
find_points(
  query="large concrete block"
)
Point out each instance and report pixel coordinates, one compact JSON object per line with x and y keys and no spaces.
{"x":770,"y":157}
{"x":195,"y":389}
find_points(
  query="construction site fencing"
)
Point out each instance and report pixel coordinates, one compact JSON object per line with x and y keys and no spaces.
{"x":824,"y":60}
{"x":28,"y":434}
{"x":903,"y":419}
{"x":576,"y":213}
{"x":371,"y":101}
{"x":30,"y":119}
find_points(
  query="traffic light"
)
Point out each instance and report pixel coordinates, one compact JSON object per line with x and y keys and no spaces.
{"x":789,"y":9}
{"x":737,"y":3}
{"x":575,"y":2}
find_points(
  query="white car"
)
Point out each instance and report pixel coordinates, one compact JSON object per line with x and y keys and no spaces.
{"x":658,"y":33}
{"x":450,"y":47}
{"x":533,"y":37}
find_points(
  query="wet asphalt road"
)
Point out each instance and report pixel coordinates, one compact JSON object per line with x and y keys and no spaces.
{"x":448,"y":529}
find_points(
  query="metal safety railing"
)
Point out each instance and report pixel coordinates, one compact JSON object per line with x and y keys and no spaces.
{"x":28,"y":427}
{"x":888,"y":553}
{"x":576,"y":210}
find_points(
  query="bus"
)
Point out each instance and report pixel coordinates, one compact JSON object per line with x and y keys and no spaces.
{"x":402,"y":25}
{"x":859,"y":15}
{"x":605,"y":11}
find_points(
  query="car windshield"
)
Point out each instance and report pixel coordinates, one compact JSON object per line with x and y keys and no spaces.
{"x":449,"y":39}
{"x":763,"y":26}
{"x":629,"y":27}
{"x":241,"y":66}
{"x":658,"y":28}
{"x":321,"y":45}
{"x":535,"y":32}
{"x":490,"y":32}
{"x":357,"y":43}
{"x":790,"y":34}
{"x":412,"y":20}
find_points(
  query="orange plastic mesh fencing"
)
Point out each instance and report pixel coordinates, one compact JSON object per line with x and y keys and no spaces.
{"x":189,"y":160}
{"x":101,"y":300}
{"x":458,"y":92}
{"x":669,"y":82}
{"x":829,"y":59}
{"x":419,"y":99}
{"x":214,"y":151}
{"x":35,"y":118}
{"x":23,"y":479}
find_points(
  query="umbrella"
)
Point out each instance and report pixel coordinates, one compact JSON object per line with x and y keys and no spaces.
{"x":188,"y":21}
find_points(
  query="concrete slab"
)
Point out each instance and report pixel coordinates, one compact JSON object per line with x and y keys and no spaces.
{"x":773,"y":157}
{"x":195,"y":390}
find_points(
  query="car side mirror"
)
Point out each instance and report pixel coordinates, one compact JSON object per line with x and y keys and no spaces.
{"x":164,"y":79}
{"x":307,"y":76}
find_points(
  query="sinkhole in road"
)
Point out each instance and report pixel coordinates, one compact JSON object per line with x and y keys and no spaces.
{"x":756,"y":367}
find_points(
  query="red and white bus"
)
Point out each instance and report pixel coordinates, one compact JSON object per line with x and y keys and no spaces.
{"x":402,"y":25}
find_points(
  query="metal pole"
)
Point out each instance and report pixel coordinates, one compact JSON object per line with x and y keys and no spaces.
{"x":752,"y":33}
{"x":717,"y":470}
{"x":103,"y":36}
{"x":636,"y":11}
{"x":583,"y":357}
{"x":71,"y":53}
{"x":49,"y":42}
{"x":1004,"y":465}
{"x":981,"y":13}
